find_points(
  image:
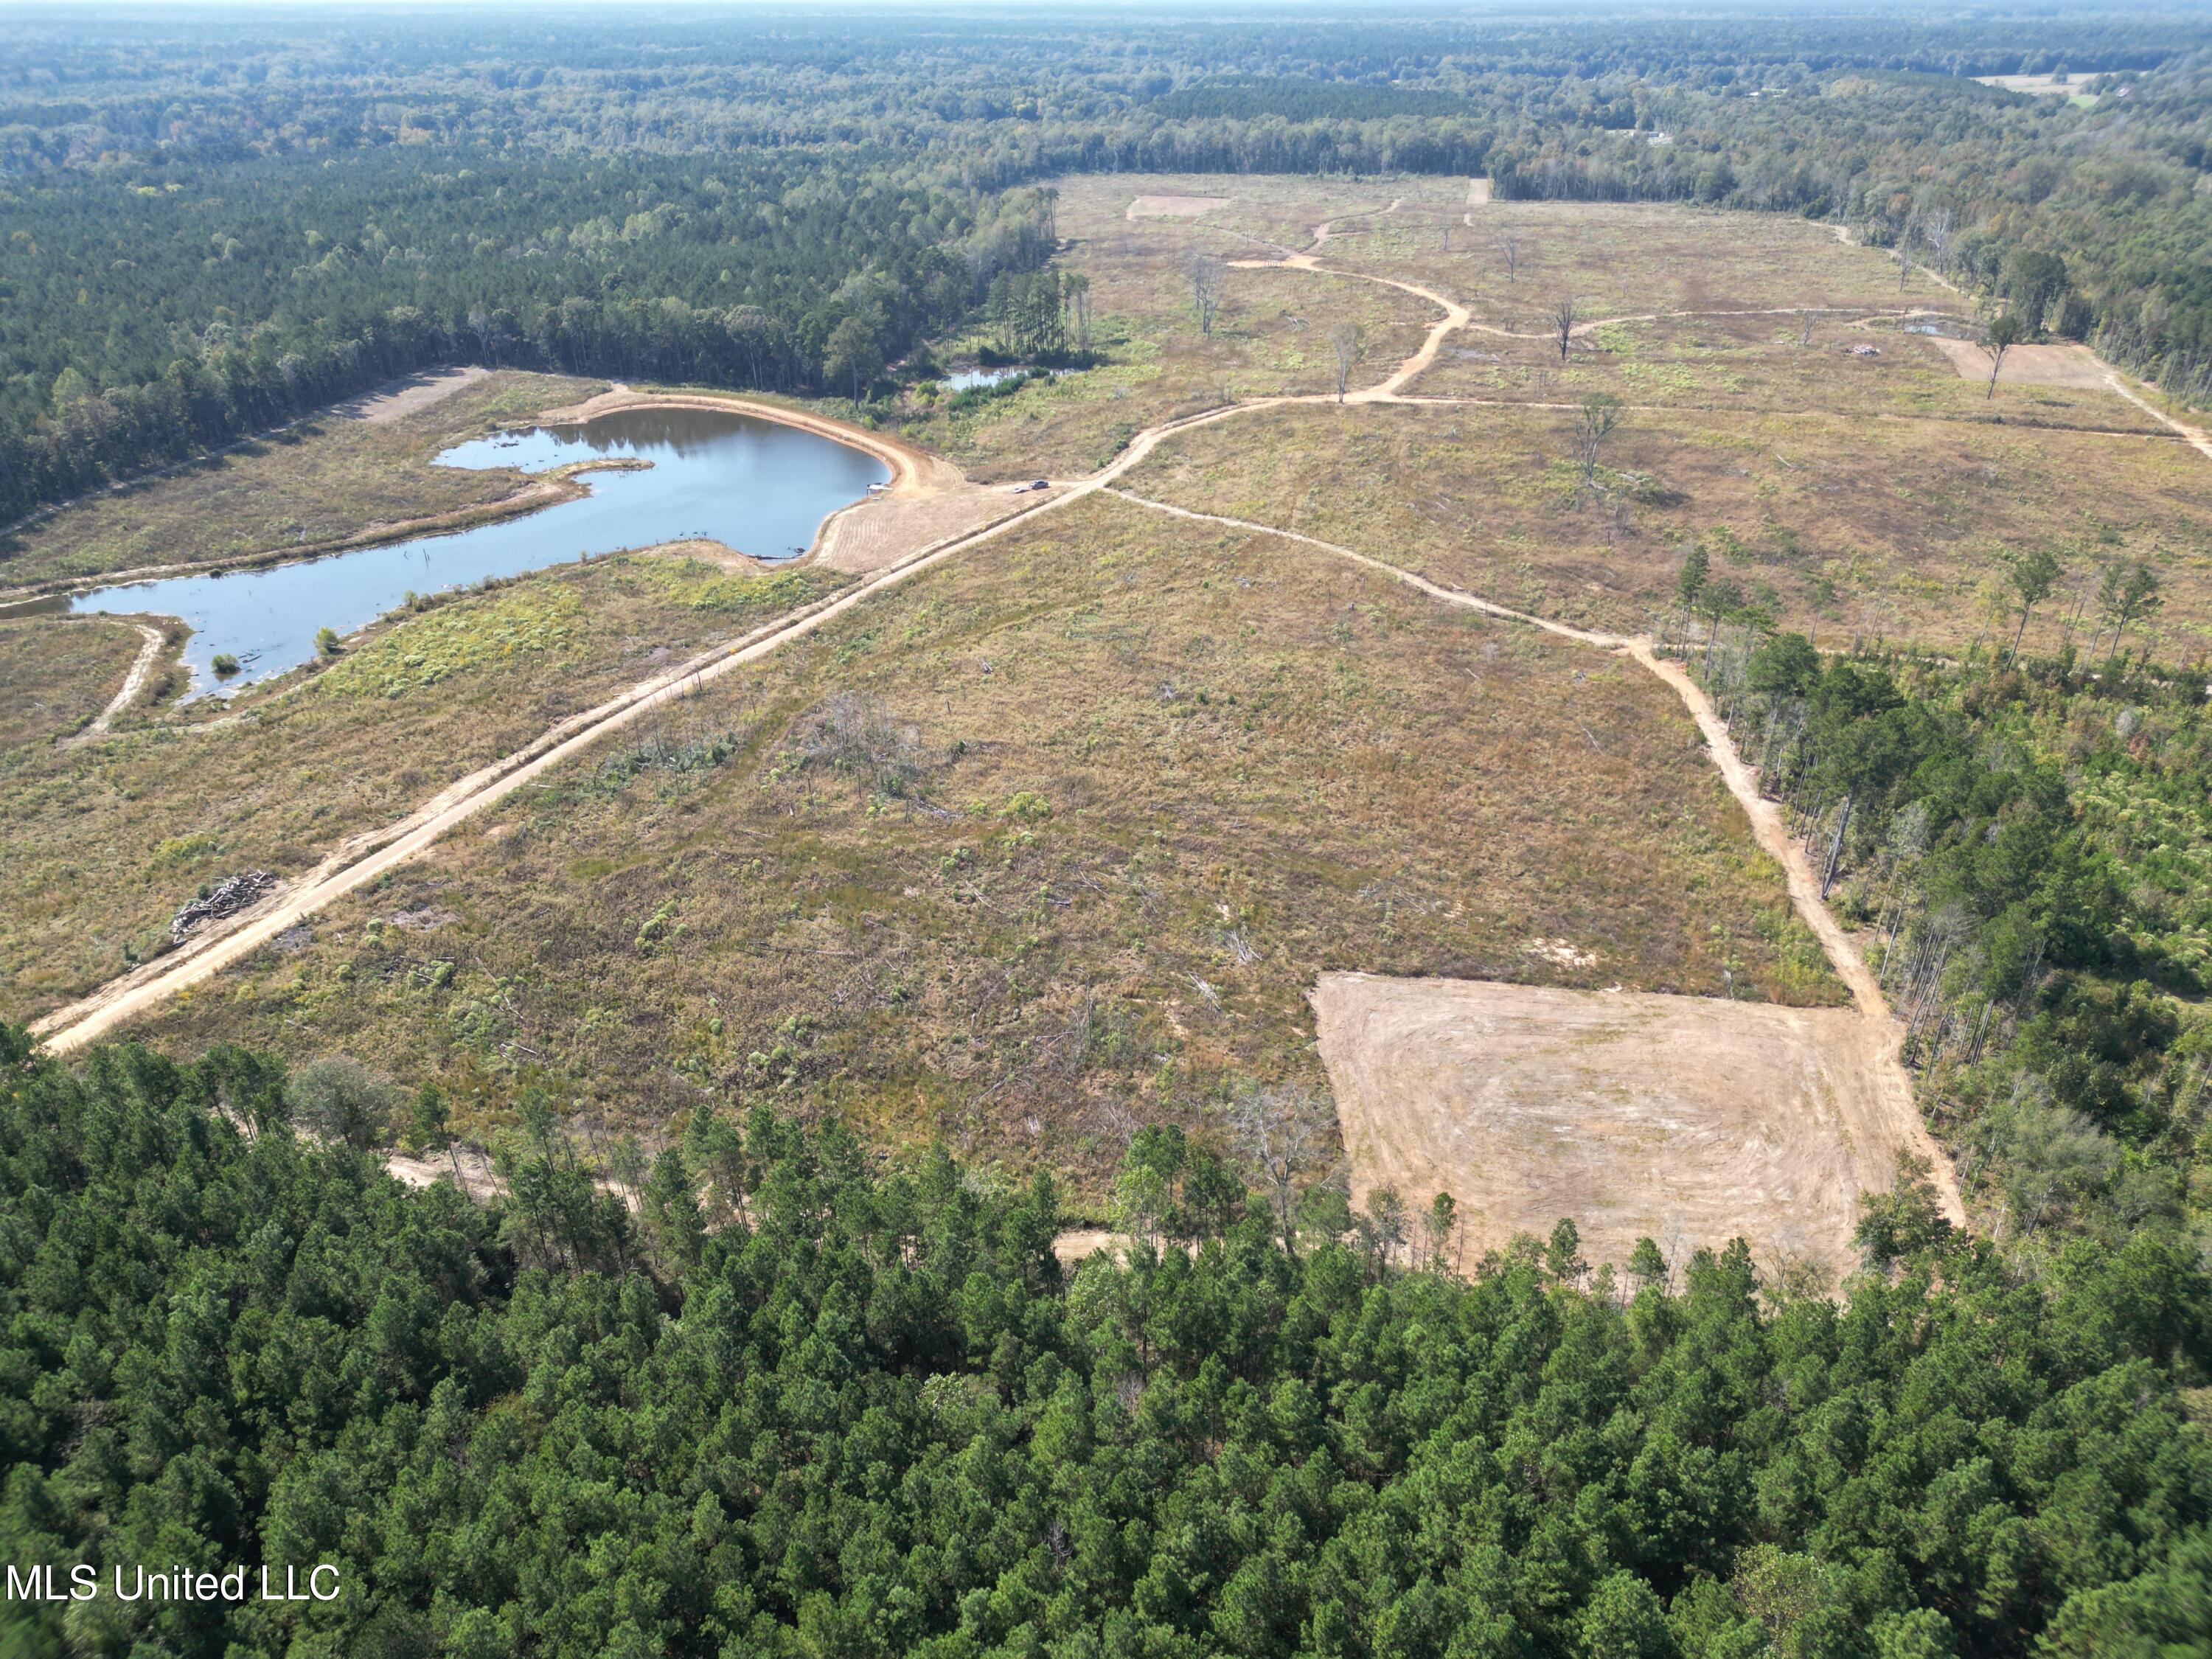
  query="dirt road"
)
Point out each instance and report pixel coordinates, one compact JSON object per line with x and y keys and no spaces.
{"x":141,"y":669}
{"x":370,"y":856}
{"x":1881,"y":1033}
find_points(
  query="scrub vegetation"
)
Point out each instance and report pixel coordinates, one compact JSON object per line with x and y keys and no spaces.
{"x":1051,"y":840}
{"x":54,"y":677}
{"x":100,"y":843}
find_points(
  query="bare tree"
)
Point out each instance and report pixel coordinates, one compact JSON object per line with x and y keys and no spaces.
{"x":1076,"y":287}
{"x":1205,"y":278}
{"x":1906,"y":232}
{"x":1595,"y":422}
{"x":1278,"y":1129}
{"x":1563,"y":319}
{"x":1508,"y":244}
{"x":1344,"y":343}
{"x":1812,"y":315}
{"x":1937,"y":230}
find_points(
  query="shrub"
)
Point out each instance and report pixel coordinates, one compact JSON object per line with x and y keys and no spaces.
{"x":851,"y":734}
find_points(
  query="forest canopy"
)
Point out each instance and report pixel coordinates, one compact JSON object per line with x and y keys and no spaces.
{"x":805,"y":1404}
{"x":215,"y":227}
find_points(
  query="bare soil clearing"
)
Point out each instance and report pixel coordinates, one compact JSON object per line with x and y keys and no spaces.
{"x":1174,"y":207}
{"x":1690,"y":1121}
{"x":874,"y":534}
{"x":1879,"y":1037}
{"x":417,"y":391}
{"x":2072,"y":366}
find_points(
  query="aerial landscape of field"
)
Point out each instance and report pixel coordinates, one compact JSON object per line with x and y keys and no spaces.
{"x":1395,"y":838}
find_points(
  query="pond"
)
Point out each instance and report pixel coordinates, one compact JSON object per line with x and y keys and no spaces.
{"x":756,"y":485}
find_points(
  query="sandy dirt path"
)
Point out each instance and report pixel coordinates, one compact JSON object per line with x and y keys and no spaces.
{"x":2195,"y":436}
{"x":1326,"y":228}
{"x":1456,"y":316}
{"x":141,"y":669}
{"x":368,"y":856}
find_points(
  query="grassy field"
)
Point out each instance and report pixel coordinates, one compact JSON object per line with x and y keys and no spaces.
{"x":100,"y":844}
{"x":1767,"y":363}
{"x":1845,"y":527}
{"x":55,"y":675}
{"x":323,"y":481}
{"x":1054,"y":839}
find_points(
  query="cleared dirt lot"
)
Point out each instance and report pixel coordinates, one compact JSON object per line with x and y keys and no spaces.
{"x":2027,"y":364}
{"x":1687,"y":1120}
{"x":417,"y":391}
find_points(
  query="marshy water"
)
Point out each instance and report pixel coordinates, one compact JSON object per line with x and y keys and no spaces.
{"x":756,"y":485}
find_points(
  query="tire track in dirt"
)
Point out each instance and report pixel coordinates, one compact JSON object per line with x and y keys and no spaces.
{"x":141,"y":669}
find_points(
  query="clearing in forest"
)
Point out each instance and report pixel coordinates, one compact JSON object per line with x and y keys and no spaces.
{"x":2070,"y":366}
{"x":1688,"y":1121}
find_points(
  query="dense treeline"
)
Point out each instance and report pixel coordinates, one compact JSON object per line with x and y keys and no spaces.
{"x":804,"y":1406}
{"x":144,"y":323}
{"x":210,"y":227}
{"x":1965,"y":178}
{"x":2030,"y":842}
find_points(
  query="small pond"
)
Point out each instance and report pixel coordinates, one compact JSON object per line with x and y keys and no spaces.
{"x":756,"y":485}
{"x":968,"y":379}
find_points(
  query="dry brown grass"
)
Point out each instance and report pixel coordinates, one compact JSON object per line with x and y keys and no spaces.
{"x":321,"y":483}
{"x":55,"y":675}
{"x":102,"y":843}
{"x":1846,"y":526}
{"x":1765,"y":363}
{"x":1166,"y":777}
